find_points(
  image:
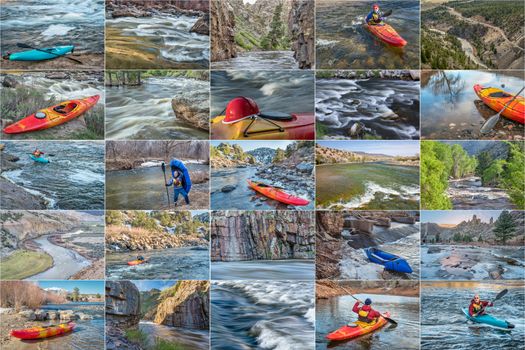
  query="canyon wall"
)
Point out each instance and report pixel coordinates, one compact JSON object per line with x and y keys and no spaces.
{"x":222,"y":31}
{"x":302,"y":32}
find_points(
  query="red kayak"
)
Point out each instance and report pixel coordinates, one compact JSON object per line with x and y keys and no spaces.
{"x":387,"y":34}
{"x":277,"y":194}
{"x":496,"y":99}
{"x":136,"y":262}
{"x":356,"y":329}
{"x":43,"y":332}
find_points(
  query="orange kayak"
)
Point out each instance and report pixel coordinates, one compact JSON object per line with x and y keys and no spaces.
{"x":52,"y":116}
{"x":387,"y":34}
{"x":300,"y":126}
{"x":356,"y":329}
{"x":277,"y":194}
{"x":43,"y":332}
{"x":496,"y":99}
{"x":136,"y":262}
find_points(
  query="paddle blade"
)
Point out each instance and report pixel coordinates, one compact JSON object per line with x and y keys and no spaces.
{"x":490,"y":124}
{"x":501,"y":294}
{"x":23,"y":46}
{"x":163,"y":166}
{"x":387,"y":13}
{"x":390,"y":320}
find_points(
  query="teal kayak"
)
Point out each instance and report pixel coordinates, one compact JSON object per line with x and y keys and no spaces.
{"x":39,"y":159}
{"x":40,"y":54}
{"x":490,"y":321}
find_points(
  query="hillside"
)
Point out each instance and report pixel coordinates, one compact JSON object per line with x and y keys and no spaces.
{"x":227,"y":155}
{"x":327,"y":155}
{"x":263,"y":155}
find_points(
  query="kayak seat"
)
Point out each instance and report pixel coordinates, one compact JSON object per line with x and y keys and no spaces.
{"x":64,"y":109}
{"x":280,"y":116}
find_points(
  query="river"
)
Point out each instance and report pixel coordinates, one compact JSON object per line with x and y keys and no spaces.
{"x":471,"y":263}
{"x":468,"y":193}
{"x":187,"y":263}
{"x":368,"y":186}
{"x":145,"y":113}
{"x":243,"y":197}
{"x":160,"y":41}
{"x":444,"y":326}
{"x":389,"y":109}
{"x":66,"y":262}
{"x":185,"y":338}
{"x":262,"y":315}
{"x":343,"y":41}
{"x":50,"y":23}
{"x":467,"y":48}
{"x":255,"y":60}
{"x":356,"y":266}
{"x":283,"y":91}
{"x":144,"y":188}
{"x":451,"y":110}
{"x":335,"y":312}
{"x":292,"y":269}
{"x":88,"y":334}
{"x":74,"y":179}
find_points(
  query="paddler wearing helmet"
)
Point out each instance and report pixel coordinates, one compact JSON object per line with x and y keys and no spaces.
{"x":365,"y":313}
{"x":477,"y":306}
{"x":180,"y":180}
{"x":375,"y":17}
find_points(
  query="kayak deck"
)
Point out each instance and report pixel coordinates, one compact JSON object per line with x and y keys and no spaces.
{"x":387,"y":34}
{"x":490,"y":321}
{"x":356,"y":329}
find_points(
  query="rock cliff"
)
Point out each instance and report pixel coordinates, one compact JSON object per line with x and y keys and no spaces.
{"x":122,"y":304}
{"x":262,"y":235}
{"x":302,"y":32}
{"x":222,"y":31}
{"x":186,"y":305}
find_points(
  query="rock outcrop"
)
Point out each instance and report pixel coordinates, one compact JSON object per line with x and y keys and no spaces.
{"x":202,"y":26}
{"x":262,"y":235}
{"x":191,"y":113}
{"x":122,"y":304}
{"x":222,"y":31}
{"x":185,"y":305}
{"x":302,"y":32}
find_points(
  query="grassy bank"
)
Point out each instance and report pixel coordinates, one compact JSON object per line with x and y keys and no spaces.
{"x":138,"y":336}
{"x":24,"y":263}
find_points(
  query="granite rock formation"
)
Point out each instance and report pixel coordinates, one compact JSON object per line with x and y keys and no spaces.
{"x":222,"y":31}
{"x":302,"y":32}
{"x":122,"y":304}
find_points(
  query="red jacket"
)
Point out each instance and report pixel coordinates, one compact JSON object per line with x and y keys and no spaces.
{"x":372,"y":314}
{"x":483,"y":303}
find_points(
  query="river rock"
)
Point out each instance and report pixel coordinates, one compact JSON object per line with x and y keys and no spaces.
{"x":404,"y":219}
{"x":202,"y":26}
{"x":10,"y":82}
{"x":228,"y":188}
{"x":239,"y":236}
{"x":40,"y":315}
{"x":57,"y":75}
{"x":28,"y":314}
{"x":222,"y":31}
{"x":187,"y":308}
{"x":122,"y":304}
{"x":305,"y":167}
{"x":330,"y":223}
{"x":361,"y":225}
{"x":52,"y":315}
{"x":67,"y":315}
{"x":191,"y":112}
{"x":84,"y":316}
{"x":433,"y":250}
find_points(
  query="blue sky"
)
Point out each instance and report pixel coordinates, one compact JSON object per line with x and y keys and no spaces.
{"x":391,"y":148}
{"x":197,"y":212}
{"x":149,"y":285}
{"x":86,"y":287}
{"x":457,"y":216}
{"x":251,"y":145}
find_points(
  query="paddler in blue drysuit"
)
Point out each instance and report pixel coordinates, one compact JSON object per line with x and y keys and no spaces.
{"x":180,"y":180}
{"x":375,"y":17}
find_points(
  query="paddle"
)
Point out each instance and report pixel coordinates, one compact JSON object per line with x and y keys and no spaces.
{"x":492,"y":121}
{"x":25,"y":46}
{"x":49,"y":155}
{"x":163,"y":166}
{"x":499,"y":296}
{"x":386,"y":318}
{"x":387,"y":13}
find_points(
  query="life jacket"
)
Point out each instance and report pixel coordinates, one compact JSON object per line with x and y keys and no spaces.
{"x":476,"y":307}
{"x":363,"y":314}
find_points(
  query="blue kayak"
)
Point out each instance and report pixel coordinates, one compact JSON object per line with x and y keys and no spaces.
{"x":391,"y":262}
{"x":39,"y":159}
{"x":490,"y":321}
{"x":41,"y":54}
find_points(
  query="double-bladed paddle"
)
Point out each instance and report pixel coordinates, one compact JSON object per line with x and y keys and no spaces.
{"x":25,"y":46}
{"x":386,"y":318}
{"x":492,"y":121}
{"x":163,"y":166}
{"x":499,"y":296}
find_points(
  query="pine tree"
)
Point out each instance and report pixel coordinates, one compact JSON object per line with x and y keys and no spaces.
{"x":505,"y":227}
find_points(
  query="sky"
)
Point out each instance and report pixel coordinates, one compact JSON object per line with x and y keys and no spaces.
{"x":86,"y":287}
{"x":391,"y":148}
{"x":197,"y":212}
{"x":251,"y":145}
{"x":457,"y":216}
{"x":149,"y":285}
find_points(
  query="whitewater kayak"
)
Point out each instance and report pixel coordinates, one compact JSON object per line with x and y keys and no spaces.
{"x":277,"y":194}
{"x":490,"y":321}
{"x":136,"y":262}
{"x":42,"y":54}
{"x":496,"y":99}
{"x":293,"y":126}
{"x":43,"y":332}
{"x":391,"y":262}
{"x":39,"y":159}
{"x":52,"y":116}
{"x":387,"y":34}
{"x":356,"y":329}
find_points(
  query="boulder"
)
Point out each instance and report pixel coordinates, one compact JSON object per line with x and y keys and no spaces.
{"x":202,"y":26}
{"x":191,"y":112}
{"x":122,"y":304}
{"x":10,"y":82}
{"x":40,"y":315}
{"x":67,"y":315}
{"x":28,"y":314}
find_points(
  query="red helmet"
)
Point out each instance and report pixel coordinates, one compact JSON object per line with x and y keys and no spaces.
{"x":375,"y":7}
{"x":240,"y":108}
